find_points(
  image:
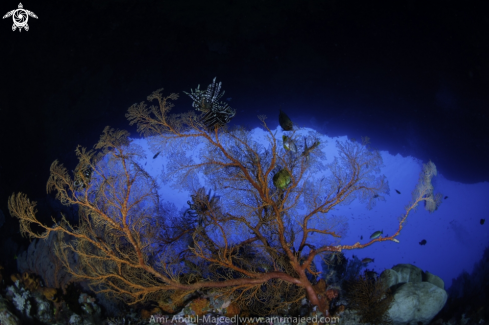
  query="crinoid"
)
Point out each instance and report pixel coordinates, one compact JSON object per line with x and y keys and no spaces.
{"x":370,"y":299}
{"x":214,"y":113}
{"x":202,"y":205}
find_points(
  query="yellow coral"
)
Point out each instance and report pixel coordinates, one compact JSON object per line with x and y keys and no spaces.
{"x":30,"y":281}
{"x":49,"y":293}
{"x":200,"y":306}
{"x":232,"y":310}
{"x":146,"y":314}
{"x":15,"y":277}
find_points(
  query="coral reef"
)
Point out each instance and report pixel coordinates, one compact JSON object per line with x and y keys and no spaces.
{"x":337,"y":268}
{"x":245,"y":245}
{"x":7,"y":317}
{"x":41,"y":305}
{"x":30,"y":306}
{"x":39,"y":259}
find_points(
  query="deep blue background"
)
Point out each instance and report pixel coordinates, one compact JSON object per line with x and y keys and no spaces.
{"x":411,"y":75}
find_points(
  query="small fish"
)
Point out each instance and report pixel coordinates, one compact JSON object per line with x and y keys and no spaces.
{"x":154,"y":157}
{"x":446,"y":197}
{"x":376,"y":234}
{"x":289,"y":144}
{"x":285,"y":121}
{"x":376,"y":196}
{"x":482,"y":221}
{"x":423,"y":242}
{"x":398,"y":192}
{"x":367,"y":260}
{"x":361,"y":237}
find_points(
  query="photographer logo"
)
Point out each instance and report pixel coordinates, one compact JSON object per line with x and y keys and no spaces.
{"x":20,"y":17}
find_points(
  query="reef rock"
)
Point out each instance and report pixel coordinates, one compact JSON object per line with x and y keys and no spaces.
{"x":418,"y":295}
{"x":7,"y":317}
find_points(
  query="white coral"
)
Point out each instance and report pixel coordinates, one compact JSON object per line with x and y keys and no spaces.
{"x":75,"y":320}
{"x":44,"y":310}
{"x":20,"y":298}
{"x":6,"y":316}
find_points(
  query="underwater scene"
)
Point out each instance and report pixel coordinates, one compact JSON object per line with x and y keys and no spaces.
{"x":196,"y":221}
{"x":257,"y":162}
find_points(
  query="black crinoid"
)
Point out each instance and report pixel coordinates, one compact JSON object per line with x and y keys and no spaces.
{"x":214,"y":113}
{"x":202,"y":205}
{"x":370,"y":298}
